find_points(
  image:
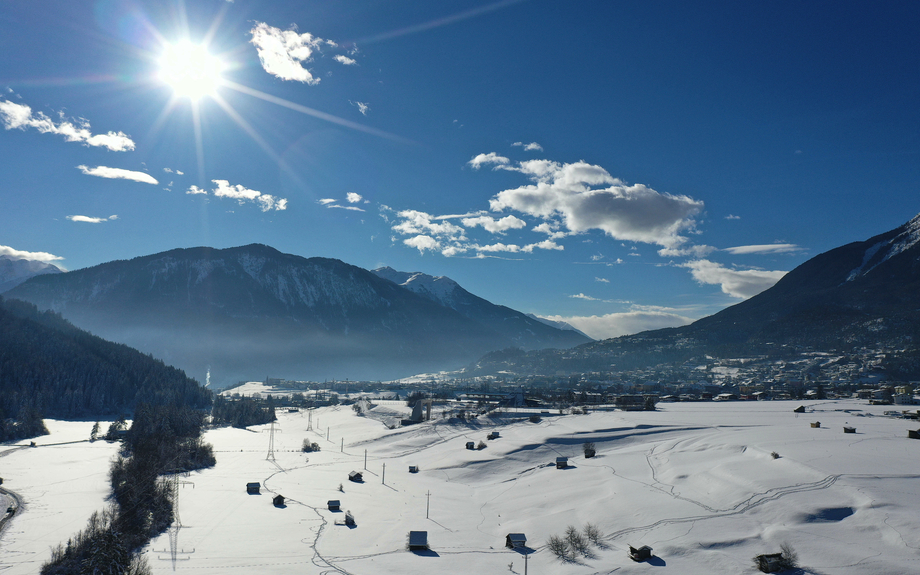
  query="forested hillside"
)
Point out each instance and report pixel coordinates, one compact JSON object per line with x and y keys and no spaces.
{"x":49,"y":368}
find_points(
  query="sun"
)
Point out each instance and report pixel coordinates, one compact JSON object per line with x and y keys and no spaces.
{"x":190,"y":70}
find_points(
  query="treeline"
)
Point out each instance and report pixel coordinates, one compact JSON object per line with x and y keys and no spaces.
{"x":242,"y":412}
{"x":50,"y":367}
{"x":162,"y":439}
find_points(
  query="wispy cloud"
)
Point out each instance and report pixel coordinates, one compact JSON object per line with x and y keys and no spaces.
{"x":91,"y":220}
{"x":283,"y":52}
{"x":118,"y":174}
{"x":20,"y":116}
{"x":363,"y":107}
{"x":583,"y":296}
{"x":241,"y":194}
{"x":624,"y":323}
{"x":765,"y":249}
{"x":487,"y":159}
{"x":15,"y":254}
{"x":533,"y":146}
{"x":732,"y":217}
{"x":350,"y":197}
{"x":740,"y":283}
{"x":602,"y":280}
{"x":171,"y":171}
{"x":345,"y":60}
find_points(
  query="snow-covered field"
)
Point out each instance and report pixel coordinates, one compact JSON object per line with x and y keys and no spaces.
{"x":695,"y":481}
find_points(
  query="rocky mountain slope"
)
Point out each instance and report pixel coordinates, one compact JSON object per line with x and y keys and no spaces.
{"x":862,"y":295}
{"x":252,"y":312}
{"x":15,"y":271}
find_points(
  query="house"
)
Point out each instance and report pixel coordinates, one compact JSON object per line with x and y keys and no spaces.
{"x":278,"y":501}
{"x":253,"y":488}
{"x":847,"y":429}
{"x":513,"y":540}
{"x":769,"y":563}
{"x":562,"y":462}
{"x":355,"y":476}
{"x":493,"y":435}
{"x":799,"y":409}
{"x":334,"y":505}
{"x":816,"y":424}
{"x":413,"y":469}
{"x":913,"y":434}
{"x":640,"y":554}
{"x":470,"y":445}
{"x":418,"y":541}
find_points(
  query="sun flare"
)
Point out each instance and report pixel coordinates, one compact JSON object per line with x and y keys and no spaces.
{"x":190,"y":70}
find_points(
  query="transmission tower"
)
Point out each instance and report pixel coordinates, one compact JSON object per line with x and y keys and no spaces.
{"x":271,"y":444}
{"x":310,"y":420}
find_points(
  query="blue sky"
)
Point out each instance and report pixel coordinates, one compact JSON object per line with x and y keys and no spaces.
{"x":619,"y":165}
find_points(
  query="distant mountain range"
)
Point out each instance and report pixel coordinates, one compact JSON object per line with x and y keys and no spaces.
{"x":253,"y":311}
{"x":861,"y":295}
{"x":15,"y":271}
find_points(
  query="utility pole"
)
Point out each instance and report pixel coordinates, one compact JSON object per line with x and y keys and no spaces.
{"x":428,"y":505}
{"x":342,"y":449}
{"x":526,"y":557}
{"x":383,"y":478}
{"x":365,"y":460}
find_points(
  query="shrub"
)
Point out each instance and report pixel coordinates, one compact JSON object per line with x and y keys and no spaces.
{"x":790,"y":559}
{"x":590,"y":451}
{"x":481,"y":445}
{"x":309,"y":447}
{"x":774,"y":455}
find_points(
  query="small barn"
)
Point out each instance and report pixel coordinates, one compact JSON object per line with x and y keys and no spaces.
{"x":769,"y":563}
{"x":355,"y":476}
{"x":413,"y":469}
{"x":848,"y":429}
{"x":562,"y":462}
{"x":470,"y":445}
{"x":816,"y":424}
{"x":334,"y":505}
{"x":493,"y":435}
{"x":799,"y":409}
{"x":910,"y":433}
{"x":278,"y":501}
{"x":513,"y":540}
{"x":418,"y":540}
{"x":253,"y":488}
{"x":640,"y":554}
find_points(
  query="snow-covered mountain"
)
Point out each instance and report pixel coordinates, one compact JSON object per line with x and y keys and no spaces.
{"x":253,"y":311}
{"x":557,"y":324}
{"x":15,"y":271}
{"x":524,"y":330}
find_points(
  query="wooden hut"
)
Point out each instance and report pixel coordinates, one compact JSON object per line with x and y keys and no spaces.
{"x":355,"y":476}
{"x":513,"y":540}
{"x":278,"y":501}
{"x":910,"y":433}
{"x":562,"y":462}
{"x":493,"y":435}
{"x":253,"y":488}
{"x":770,"y":562}
{"x":334,"y":505}
{"x":640,"y":554}
{"x":418,"y":541}
{"x":848,"y":429}
{"x":413,"y":469}
{"x":816,"y":424}
{"x":799,"y":409}
{"x":470,"y":445}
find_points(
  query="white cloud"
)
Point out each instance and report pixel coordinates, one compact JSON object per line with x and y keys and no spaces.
{"x":20,"y":116}
{"x":345,"y":60}
{"x":529,"y":147}
{"x":283,"y":52}
{"x":325,"y":201}
{"x":740,"y":283}
{"x":490,"y":158}
{"x":688,"y":251}
{"x":15,"y":254}
{"x":90,"y":220}
{"x":353,"y":198}
{"x":583,"y":296}
{"x":353,"y":208}
{"x":363,"y":107}
{"x":732,"y":217}
{"x":602,"y":280}
{"x":241,"y":194}
{"x":195,"y":190}
{"x":623,"y":323}
{"x":765,"y":249}
{"x":422,"y":242}
{"x":494,"y":226}
{"x":627,"y":212}
{"x":415,"y":222}
{"x":118,"y":174}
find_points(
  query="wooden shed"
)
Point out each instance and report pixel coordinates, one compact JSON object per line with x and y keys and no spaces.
{"x":816,"y":424}
{"x":355,"y":476}
{"x":278,"y":501}
{"x":413,"y":469}
{"x":799,"y":409}
{"x":769,"y":562}
{"x":470,"y":445}
{"x":493,"y":435}
{"x":640,"y":554}
{"x":562,"y":462}
{"x":418,"y":540}
{"x":847,"y":429}
{"x":513,"y":540}
{"x":253,"y":488}
{"x":334,"y":505}
{"x":910,"y":433}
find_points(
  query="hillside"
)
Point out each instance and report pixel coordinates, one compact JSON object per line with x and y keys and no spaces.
{"x":253,"y":311}
{"x":50,"y":367}
{"x":864,"y":295}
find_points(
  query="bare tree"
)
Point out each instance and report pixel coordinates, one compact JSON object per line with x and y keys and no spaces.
{"x":558,"y":547}
{"x":576,"y":540}
{"x":592,"y":533}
